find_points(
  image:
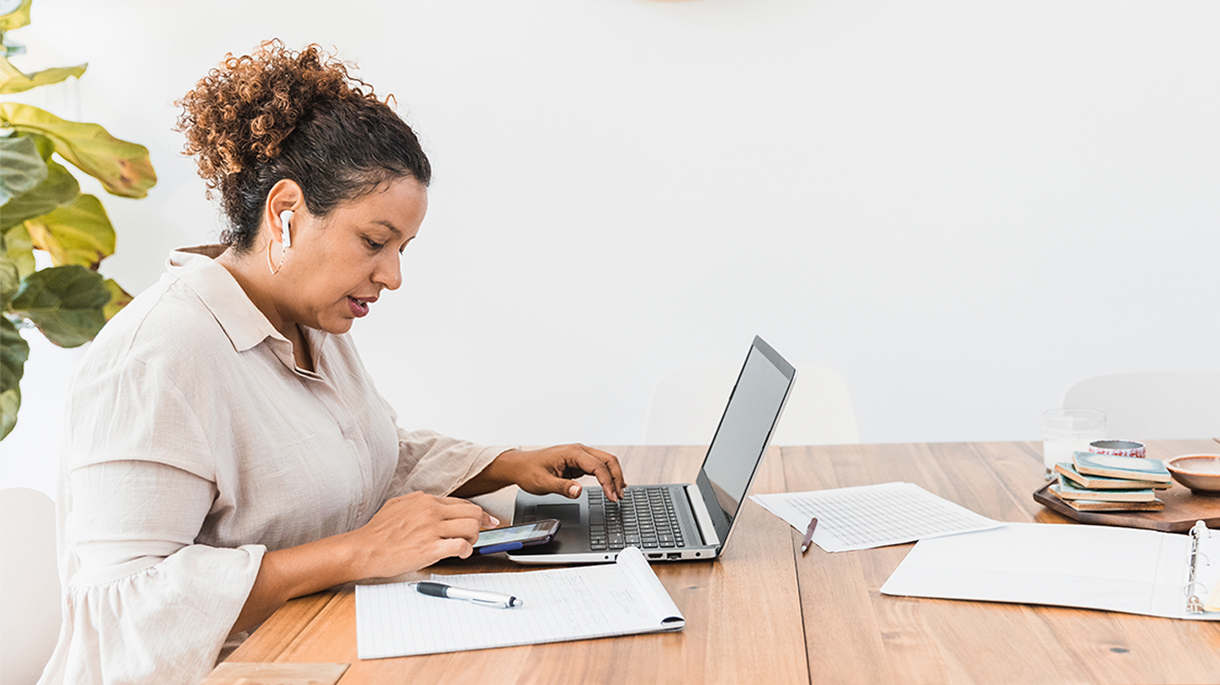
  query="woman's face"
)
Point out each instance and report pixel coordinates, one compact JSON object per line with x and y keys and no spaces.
{"x":339,"y":264}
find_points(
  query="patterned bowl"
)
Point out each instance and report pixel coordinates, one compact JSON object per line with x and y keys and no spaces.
{"x":1199,"y":472}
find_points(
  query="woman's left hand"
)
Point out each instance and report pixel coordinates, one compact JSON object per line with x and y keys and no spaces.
{"x":549,"y":470}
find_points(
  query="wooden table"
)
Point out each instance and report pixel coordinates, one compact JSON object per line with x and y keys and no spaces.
{"x":765,"y":614}
{"x":856,"y":635}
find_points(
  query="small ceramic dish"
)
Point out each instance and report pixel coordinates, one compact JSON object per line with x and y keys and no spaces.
{"x":1199,"y":472}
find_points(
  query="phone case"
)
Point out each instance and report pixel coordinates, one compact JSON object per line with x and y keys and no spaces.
{"x":510,"y":546}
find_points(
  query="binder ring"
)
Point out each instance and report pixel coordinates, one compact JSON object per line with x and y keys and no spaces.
{"x":1192,"y":588}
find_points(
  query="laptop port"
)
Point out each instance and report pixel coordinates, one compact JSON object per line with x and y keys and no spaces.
{"x":673,"y":555}
{"x":654,"y":555}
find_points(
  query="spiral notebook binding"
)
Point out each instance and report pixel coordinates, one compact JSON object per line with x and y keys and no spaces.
{"x":1193,"y":587}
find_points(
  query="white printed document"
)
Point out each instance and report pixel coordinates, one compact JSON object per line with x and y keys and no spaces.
{"x":870,"y":516}
{"x":600,"y":600}
{"x":1130,"y":570}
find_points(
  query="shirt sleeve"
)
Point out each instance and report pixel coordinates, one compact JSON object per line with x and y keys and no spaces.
{"x":436,"y":464}
{"x":129,"y":410}
{"x":145,"y":604}
{"x":433,"y":463}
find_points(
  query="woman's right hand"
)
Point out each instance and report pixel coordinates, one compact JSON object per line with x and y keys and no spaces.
{"x":417,"y":530}
{"x":406,"y":534}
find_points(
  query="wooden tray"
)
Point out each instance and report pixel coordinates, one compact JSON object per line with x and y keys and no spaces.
{"x":1182,"y":509}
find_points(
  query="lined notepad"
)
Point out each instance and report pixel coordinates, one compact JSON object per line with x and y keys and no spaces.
{"x":622,"y":598}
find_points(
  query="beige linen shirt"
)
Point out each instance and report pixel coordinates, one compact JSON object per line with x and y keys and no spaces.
{"x":193,"y":445}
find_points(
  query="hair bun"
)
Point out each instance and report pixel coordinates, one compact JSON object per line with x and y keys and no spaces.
{"x":240,"y":113}
{"x":283,"y":115}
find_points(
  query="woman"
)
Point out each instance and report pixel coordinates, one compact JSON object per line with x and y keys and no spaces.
{"x":226,"y":449}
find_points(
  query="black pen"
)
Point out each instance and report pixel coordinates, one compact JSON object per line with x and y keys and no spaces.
{"x":480,"y":597}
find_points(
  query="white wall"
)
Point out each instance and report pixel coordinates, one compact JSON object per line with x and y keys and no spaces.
{"x":962,"y":206}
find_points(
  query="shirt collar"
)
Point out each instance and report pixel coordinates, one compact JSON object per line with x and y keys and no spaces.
{"x":243,"y":322}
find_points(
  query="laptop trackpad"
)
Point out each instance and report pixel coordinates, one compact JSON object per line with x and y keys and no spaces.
{"x":568,"y":514}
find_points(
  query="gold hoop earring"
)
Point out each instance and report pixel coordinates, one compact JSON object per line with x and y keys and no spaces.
{"x":275,"y":269}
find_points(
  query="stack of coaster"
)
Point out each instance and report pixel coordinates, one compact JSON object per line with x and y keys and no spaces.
{"x":1104,"y":482}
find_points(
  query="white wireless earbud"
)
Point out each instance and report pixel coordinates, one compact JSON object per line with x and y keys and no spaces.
{"x":285,"y":218}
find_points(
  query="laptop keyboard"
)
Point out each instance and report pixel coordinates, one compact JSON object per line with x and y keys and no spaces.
{"x":643,"y":517}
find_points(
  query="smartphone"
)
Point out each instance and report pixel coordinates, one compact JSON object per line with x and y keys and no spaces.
{"x":515,"y":537}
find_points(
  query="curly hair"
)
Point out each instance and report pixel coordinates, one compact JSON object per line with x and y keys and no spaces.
{"x":279,"y":114}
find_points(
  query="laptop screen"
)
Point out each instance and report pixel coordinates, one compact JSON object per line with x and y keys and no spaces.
{"x":744,"y":432}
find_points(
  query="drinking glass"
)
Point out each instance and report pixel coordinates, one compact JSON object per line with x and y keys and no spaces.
{"x":1069,"y":430}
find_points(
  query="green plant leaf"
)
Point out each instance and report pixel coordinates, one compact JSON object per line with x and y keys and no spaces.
{"x":10,"y":402}
{"x":46,"y":148}
{"x":19,"y":251}
{"x":59,"y":189}
{"x":119,"y":298}
{"x":123,"y":168}
{"x":14,"y":350}
{"x":21,"y":167}
{"x":65,"y":302}
{"x":76,"y":233}
{"x":10,"y":280}
{"x":16,"y":18}
{"x":13,"y":80}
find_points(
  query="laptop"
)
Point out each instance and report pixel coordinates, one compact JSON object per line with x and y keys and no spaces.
{"x":674,"y":522}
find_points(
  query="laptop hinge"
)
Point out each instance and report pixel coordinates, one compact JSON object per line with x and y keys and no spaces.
{"x":702,"y":517}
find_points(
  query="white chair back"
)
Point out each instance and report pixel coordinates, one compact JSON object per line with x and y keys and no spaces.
{"x":687,"y":404}
{"x":1153,"y":406}
{"x":29,"y":585}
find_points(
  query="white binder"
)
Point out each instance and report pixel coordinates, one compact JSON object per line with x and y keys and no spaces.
{"x":1090,"y":567}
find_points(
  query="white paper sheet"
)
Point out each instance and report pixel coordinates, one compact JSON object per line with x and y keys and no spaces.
{"x":559,"y":604}
{"x":872,"y":515}
{"x":1091,"y":567}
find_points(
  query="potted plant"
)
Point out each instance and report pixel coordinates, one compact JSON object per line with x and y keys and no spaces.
{"x":42,"y":208}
